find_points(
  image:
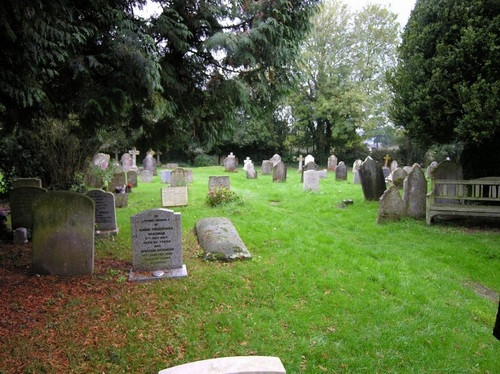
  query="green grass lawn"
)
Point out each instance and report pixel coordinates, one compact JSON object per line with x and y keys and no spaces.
{"x":328,"y":290}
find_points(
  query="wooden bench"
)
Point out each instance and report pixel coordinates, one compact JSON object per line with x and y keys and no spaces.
{"x":466,"y":198}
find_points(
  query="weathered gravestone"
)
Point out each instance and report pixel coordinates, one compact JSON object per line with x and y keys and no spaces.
{"x":132,"y":178}
{"x":146,"y":176}
{"x":341,"y":172}
{"x":391,"y":206}
{"x":178,"y":178}
{"x":101,"y":160}
{"x":279,"y":172}
{"x":398,"y":176}
{"x":267,"y":167}
{"x":21,"y":205}
{"x":126,"y":161}
{"x":134,"y":153}
{"x":332,"y":163}
{"x":189,"y":175}
{"x":63,"y":234}
{"x":372,"y":179}
{"x":300,"y":159}
{"x":27,"y":182}
{"x":220,"y":240}
{"x":246,"y":162}
{"x":156,"y":245}
{"x":149,"y":162}
{"x":165,"y":176}
{"x":117,"y":167}
{"x":215,"y":182}
{"x":119,"y":180}
{"x":355,"y":171}
{"x":275,"y":159}
{"x":174,"y":196}
{"x":105,"y":212}
{"x":430,"y":169}
{"x":121,"y":199}
{"x":414,"y":192}
{"x":448,"y":170}
{"x":311,"y":180}
{"x":394,"y":165}
{"x":230,"y":163}
{"x":311,"y":165}
{"x":251,"y":173}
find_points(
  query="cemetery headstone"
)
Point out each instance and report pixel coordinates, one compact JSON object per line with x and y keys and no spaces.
{"x":230,"y":163}
{"x":372,"y":179}
{"x":178,"y":178}
{"x":20,"y":235}
{"x":308,"y":159}
{"x":414,"y":193}
{"x":311,"y":180}
{"x":220,"y":240}
{"x":398,"y":176}
{"x":21,"y":205}
{"x":132,"y":178}
{"x":105,"y":212}
{"x":101,"y":160}
{"x":279,"y":172}
{"x":407,"y":169}
{"x":430,"y":169}
{"x":156,"y":245}
{"x":165,"y":176}
{"x":323,"y":173}
{"x":146,"y":176}
{"x":158,"y":154}
{"x":275,"y":159}
{"x":394,"y":165}
{"x":386,"y":171}
{"x":341,"y":172}
{"x":189,"y":175}
{"x":355,"y":170}
{"x":119,"y":180}
{"x":174,"y":196}
{"x":300,"y":159}
{"x":267,"y":167}
{"x":27,"y":182}
{"x":332,"y":163}
{"x":149,"y":162}
{"x":126,"y":161}
{"x":218,"y":181}
{"x":391,"y":206}
{"x":245,"y":162}
{"x":251,"y":173}
{"x":63,"y":234}
{"x":134,"y":153}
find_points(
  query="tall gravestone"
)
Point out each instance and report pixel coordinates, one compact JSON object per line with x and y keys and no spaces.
{"x":267,"y":167}
{"x":310,"y":165}
{"x":279,"y":172}
{"x":156,"y":245}
{"x":132,"y":178}
{"x":134,"y":153}
{"x":311,"y":180}
{"x":251,"y":173}
{"x":332,"y":163}
{"x":21,"y":205}
{"x":414,"y":192}
{"x":178,"y":178}
{"x":126,"y":161}
{"x":341,"y":172}
{"x":372,"y":179}
{"x":391,"y":205}
{"x":355,"y":171}
{"x":63,"y":234}
{"x":275,"y":159}
{"x":149,"y":162}
{"x":215,"y":182}
{"x":105,"y":212}
{"x":230,"y":163}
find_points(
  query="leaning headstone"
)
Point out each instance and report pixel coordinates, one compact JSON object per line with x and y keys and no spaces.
{"x":132,"y":178}
{"x":105,"y":212}
{"x":21,"y":205}
{"x":156,"y":245}
{"x":279,"y":172}
{"x":372,"y":179}
{"x":414,"y":193}
{"x":27,"y":182}
{"x":341,"y":172}
{"x":332,"y":163}
{"x":178,"y":178}
{"x":355,"y":171}
{"x":391,"y":206}
{"x":149,"y":162}
{"x":267,"y":167}
{"x":275,"y":159}
{"x":165,"y":176}
{"x":251,"y":173}
{"x":398,"y":176}
{"x":117,"y":181}
{"x":63,"y":234}
{"x":220,"y":240}
{"x":230,"y":163}
{"x":311,"y":180}
{"x":146,"y":176}
{"x":126,"y":161}
{"x":174,"y":196}
{"x":217,"y":182}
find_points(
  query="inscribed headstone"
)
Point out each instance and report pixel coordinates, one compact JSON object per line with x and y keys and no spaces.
{"x":341,"y":172}
{"x":279,"y":172}
{"x":372,"y":179}
{"x":21,"y":205}
{"x":332,"y":163}
{"x":63,"y":234}
{"x":391,"y":206}
{"x":105,"y":212}
{"x":157,"y":243}
{"x":178,"y":178}
{"x":119,"y":180}
{"x":218,"y":181}
{"x":311,"y":180}
{"x":267,"y":167}
{"x":174,"y":196}
{"x":414,"y":193}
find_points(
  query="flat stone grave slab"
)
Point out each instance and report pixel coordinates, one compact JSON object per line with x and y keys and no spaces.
{"x":174,"y":196}
{"x":220,"y":240}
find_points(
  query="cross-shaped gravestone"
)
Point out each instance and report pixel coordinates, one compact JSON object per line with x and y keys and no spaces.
{"x":386,"y":160}
{"x":300,"y":159}
{"x":134,"y":152}
{"x":158,"y":154}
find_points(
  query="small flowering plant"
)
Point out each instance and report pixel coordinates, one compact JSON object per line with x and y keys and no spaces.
{"x":221,"y":196}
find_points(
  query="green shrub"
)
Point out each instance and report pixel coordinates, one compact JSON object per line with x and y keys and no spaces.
{"x":221,"y":196}
{"x":204,"y":160}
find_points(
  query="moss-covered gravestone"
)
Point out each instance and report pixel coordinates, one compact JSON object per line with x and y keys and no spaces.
{"x":63,"y":234}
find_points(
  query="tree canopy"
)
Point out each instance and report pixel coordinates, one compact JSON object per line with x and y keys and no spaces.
{"x":447,"y":83}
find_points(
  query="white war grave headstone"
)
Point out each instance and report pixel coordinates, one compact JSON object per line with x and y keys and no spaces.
{"x":156,"y":245}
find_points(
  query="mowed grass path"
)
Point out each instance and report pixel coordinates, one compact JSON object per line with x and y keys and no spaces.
{"x":328,"y":290}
